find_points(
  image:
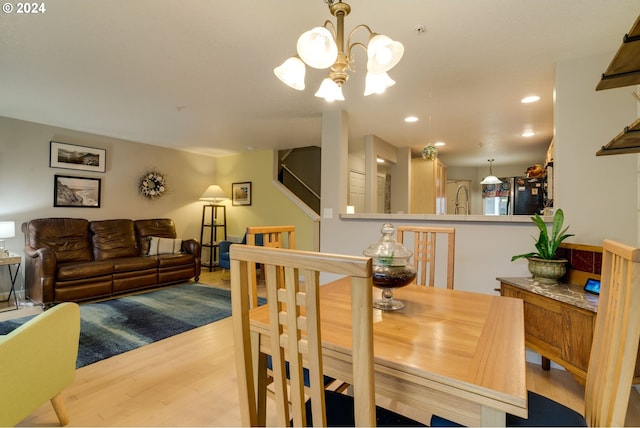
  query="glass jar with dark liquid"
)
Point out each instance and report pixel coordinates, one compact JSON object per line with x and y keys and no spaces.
{"x":391,"y":268}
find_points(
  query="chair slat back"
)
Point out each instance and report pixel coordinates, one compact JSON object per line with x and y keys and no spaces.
{"x":272,"y":237}
{"x":292,"y":280}
{"x":615,"y":342}
{"x":424,"y":251}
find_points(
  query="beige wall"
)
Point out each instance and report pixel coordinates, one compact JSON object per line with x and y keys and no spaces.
{"x":270,"y":206}
{"x":26,"y":180}
{"x":597,"y":193}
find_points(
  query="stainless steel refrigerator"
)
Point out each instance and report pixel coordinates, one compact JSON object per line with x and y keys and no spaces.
{"x":515,"y":195}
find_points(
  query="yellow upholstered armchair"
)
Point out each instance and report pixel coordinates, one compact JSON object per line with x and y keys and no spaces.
{"x":37,"y":361}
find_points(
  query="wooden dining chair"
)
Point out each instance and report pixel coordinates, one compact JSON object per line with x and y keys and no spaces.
{"x":272,"y":237}
{"x":296,"y":338}
{"x":424,"y":251}
{"x":614,"y":349}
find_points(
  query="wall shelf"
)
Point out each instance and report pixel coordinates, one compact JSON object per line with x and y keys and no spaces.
{"x":628,"y":141}
{"x":624,"y":70}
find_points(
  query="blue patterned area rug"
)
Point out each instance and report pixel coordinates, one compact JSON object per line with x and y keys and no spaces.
{"x":115,"y":326}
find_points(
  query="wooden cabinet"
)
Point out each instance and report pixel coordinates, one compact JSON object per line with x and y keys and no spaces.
{"x":428,"y":187}
{"x":559,"y":322}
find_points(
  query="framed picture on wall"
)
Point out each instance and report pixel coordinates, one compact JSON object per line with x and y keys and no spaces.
{"x":241,"y":193}
{"x":70,"y":156}
{"x":76,"y":192}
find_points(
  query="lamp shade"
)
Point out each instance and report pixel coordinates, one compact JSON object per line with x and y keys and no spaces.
{"x":214,"y":193}
{"x":383,"y":53}
{"x":377,"y":83}
{"x":291,"y":73}
{"x":7,"y":229}
{"x":330,"y":91}
{"x":490,"y":179}
{"x":317,"y":48}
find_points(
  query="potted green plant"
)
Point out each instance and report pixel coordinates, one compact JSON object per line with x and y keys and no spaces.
{"x":544,"y":264}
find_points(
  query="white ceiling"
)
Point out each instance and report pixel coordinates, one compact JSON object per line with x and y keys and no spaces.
{"x":198,"y":76}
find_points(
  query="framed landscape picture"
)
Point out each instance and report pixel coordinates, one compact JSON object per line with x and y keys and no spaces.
{"x":70,"y":156}
{"x":76,"y":192}
{"x":241,"y":193}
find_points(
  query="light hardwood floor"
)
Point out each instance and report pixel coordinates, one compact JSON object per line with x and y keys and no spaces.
{"x":190,"y":380}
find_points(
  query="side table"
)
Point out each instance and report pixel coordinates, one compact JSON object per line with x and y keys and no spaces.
{"x":12,"y":260}
{"x":559,"y":322}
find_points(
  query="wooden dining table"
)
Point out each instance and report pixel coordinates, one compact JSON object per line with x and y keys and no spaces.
{"x":457,"y":354}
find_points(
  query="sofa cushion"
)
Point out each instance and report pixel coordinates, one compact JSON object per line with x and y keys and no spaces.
{"x":113,"y":239}
{"x":171,"y":260}
{"x":158,"y":245}
{"x":129,"y":264}
{"x":67,"y":237}
{"x":72,"y":271}
{"x":161,"y":227}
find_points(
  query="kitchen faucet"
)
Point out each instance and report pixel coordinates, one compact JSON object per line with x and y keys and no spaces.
{"x":466,"y":205}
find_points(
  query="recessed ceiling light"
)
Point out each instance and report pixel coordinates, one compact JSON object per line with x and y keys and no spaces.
{"x":528,"y":134}
{"x":410,"y":119}
{"x":379,"y":160}
{"x":530,"y":99}
{"x":439,"y":143}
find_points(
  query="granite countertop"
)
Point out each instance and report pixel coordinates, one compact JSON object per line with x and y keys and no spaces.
{"x":567,"y":293}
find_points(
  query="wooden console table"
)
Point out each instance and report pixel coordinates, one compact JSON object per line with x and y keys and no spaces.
{"x":559,"y":322}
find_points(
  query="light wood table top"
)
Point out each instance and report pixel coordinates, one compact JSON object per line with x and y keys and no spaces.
{"x":457,"y":354}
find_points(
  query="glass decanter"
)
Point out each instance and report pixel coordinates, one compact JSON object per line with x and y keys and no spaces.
{"x":391,"y":268}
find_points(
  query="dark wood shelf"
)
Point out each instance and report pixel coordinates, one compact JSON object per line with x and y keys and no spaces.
{"x":213,"y":218}
{"x":628,"y":141}
{"x":624,"y":69}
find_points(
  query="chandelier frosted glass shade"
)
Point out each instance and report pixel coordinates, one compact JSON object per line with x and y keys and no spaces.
{"x":291,"y":73}
{"x":317,"y":48}
{"x":330,"y":91}
{"x":383,"y":53}
{"x":377,"y":83}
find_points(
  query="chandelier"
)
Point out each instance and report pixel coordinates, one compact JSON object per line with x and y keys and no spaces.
{"x":324,"y":47}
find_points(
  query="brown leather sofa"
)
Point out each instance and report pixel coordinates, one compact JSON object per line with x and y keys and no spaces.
{"x":73,"y":259}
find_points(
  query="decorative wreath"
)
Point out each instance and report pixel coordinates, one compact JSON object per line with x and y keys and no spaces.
{"x":152,"y":185}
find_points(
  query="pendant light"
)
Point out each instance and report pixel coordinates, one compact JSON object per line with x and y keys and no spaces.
{"x":491,"y":179}
{"x":430,"y":152}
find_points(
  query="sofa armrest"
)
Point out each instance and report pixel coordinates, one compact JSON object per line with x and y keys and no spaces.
{"x":40,"y":273}
{"x":191,"y":246}
{"x":46,"y":257}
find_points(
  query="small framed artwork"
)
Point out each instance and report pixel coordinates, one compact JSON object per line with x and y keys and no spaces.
{"x":241,"y":193}
{"x":76,"y":192}
{"x":70,"y":156}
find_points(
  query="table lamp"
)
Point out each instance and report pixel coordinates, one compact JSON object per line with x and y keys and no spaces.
{"x":213,"y":194}
{"x":7,"y":230}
